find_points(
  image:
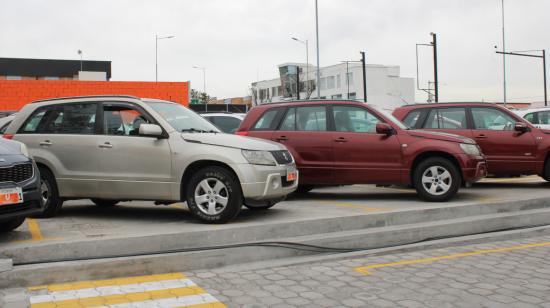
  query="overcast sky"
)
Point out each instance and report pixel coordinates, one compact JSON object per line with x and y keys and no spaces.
{"x":241,"y":40}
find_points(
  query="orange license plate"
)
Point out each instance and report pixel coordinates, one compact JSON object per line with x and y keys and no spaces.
{"x":11,"y":196}
{"x":291,"y":176}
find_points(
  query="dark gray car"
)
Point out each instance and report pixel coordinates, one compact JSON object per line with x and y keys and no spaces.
{"x":20,"y":194}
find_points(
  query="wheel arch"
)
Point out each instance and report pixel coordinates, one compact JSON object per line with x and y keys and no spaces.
{"x":429,"y":154}
{"x":197,"y":165}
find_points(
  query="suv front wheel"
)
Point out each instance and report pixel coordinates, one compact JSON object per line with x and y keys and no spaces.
{"x":50,"y":194}
{"x":214,"y":195}
{"x":436,"y":179}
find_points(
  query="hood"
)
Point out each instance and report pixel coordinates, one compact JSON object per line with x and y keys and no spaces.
{"x":9,"y":147}
{"x":232,"y":141}
{"x":439,"y":136}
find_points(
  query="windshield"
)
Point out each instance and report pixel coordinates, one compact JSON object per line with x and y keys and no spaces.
{"x":182,"y":119}
{"x":390,"y":117}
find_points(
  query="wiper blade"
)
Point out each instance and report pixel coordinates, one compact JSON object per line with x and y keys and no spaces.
{"x":193,"y":130}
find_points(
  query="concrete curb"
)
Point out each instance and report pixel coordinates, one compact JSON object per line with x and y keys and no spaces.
{"x":6,"y":265}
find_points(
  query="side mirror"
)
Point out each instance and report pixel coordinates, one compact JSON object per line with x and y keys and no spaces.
{"x":521,"y":127}
{"x":150,"y":130}
{"x":384,"y":129}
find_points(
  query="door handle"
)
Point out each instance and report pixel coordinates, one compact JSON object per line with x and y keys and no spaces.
{"x":481,"y":136}
{"x":282,"y":138}
{"x":46,"y":143}
{"x":341,"y":140}
{"x":106,"y":145}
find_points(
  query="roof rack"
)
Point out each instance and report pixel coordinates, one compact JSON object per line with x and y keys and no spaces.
{"x":446,"y":103}
{"x":315,"y":100}
{"x":84,"y":96}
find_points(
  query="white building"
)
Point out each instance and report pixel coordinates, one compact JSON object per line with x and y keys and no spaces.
{"x":385,"y":87}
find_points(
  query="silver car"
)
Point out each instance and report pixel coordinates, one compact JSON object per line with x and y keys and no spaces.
{"x":119,"y":148}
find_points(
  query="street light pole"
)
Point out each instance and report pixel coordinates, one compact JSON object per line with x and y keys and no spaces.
{"x":80,"y":53}
{"x":203,"y":77}
{"x":307,"y":62}
{"x":317,"y":41}
{"x":504,"y":54}
{"x":157,"y":38}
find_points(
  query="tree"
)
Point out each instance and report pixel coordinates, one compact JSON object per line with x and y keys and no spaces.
{"x":203,"y":97}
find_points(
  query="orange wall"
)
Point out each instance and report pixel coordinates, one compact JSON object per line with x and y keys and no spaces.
{"x":14,"y":94}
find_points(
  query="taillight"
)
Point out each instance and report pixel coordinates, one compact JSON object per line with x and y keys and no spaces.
{"x":242,"y":133}
{"x":8,"y":136}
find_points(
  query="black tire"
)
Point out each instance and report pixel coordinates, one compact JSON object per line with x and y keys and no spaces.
{"x":105,"y":202}
{"x":232,"y":192}
{"x":53,"y":202}
{"x":11,"y":225}
{"x":304,"y":189}
{"x":451,"y":182}
{"x":546,"y":172}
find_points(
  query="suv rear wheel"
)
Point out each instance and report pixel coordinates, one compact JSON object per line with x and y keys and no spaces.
{"x":546,"y":172}
{"x":50,"y":194}
{"x":11,"y":225}
{"x":436,"y":179}
{"x":214,"y":195}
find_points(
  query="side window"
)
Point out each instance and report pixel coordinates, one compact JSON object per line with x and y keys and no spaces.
{"x":227,"y":124}
{"x":266,"y":120}
{"x":354,"y":119}
{"x":122,"y":120}
{"x":412,"y":118}
{"x":447,"y":118}
{"x":71,"y":119}
{"x":544,"y":117}
{"x":492,"y":119}
{"x":311,"y":118}
{"x":530,"y":117}
{"x":31,"y":126}
{"x":289,"y":122}
{"x":4,"y":127}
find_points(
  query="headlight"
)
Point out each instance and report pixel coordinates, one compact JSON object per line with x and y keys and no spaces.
{"x":259,"y":157}
{"x":24,"y":150}
{"x":470,"y":149}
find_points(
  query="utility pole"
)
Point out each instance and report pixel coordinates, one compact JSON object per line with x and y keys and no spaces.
{"x":364,"y":75}
{"x":436,"y":82}
{"x":317,"y":39}
{"x":543,"y":57}
{"x":504,"y":55}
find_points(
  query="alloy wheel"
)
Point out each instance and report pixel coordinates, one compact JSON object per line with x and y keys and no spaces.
{"x":437,"y":180}
{"x":211,"y":196}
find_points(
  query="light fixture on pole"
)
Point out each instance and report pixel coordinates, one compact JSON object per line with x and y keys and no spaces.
{"x":80,"y":54}
{"x":157,"y":38}
{"x":307,"y":62}
{"x":203,"y":77}
{"x":317,"y":41}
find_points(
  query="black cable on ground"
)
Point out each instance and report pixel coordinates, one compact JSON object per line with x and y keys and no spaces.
{"x":274,"y":244}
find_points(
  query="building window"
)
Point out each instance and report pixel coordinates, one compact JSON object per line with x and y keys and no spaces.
{"x":350,"y":78}
{"x":323,"y":83}
{"x":352,"y":95}
{"x":51,"y":78}
{"x":274,"y":91}
{"x":338,"y":82}
{"x":323,"y":97}
{"x":337,"y":96}
{"x":331,"y":82}
{"x":13,"y":77}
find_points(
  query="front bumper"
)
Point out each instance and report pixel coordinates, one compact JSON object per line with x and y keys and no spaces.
{"x":266,"y":183}
{"x":32,"y":199}
{"x":474,"y":168}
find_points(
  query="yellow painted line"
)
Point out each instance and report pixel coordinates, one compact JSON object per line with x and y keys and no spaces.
{"x":177,"y":206}
{"x":107,"y":282}
{"x":206,"y":305}
{"x":534,"y":179}
{"x":366,"y":269}
{"x":34,"y":229}
{"x":355,"y":206}
{"x":124,"y":298}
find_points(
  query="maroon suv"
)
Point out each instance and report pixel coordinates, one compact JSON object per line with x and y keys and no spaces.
{"x":347,"y":142}
{"x":512,"y":145}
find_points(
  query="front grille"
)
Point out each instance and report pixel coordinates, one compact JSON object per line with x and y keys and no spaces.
{"x":282,"y":157}
{"x":16,"y":173}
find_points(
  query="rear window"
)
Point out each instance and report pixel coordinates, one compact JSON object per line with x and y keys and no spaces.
{"x":447,"y":118}
{"x":266,"y":121}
